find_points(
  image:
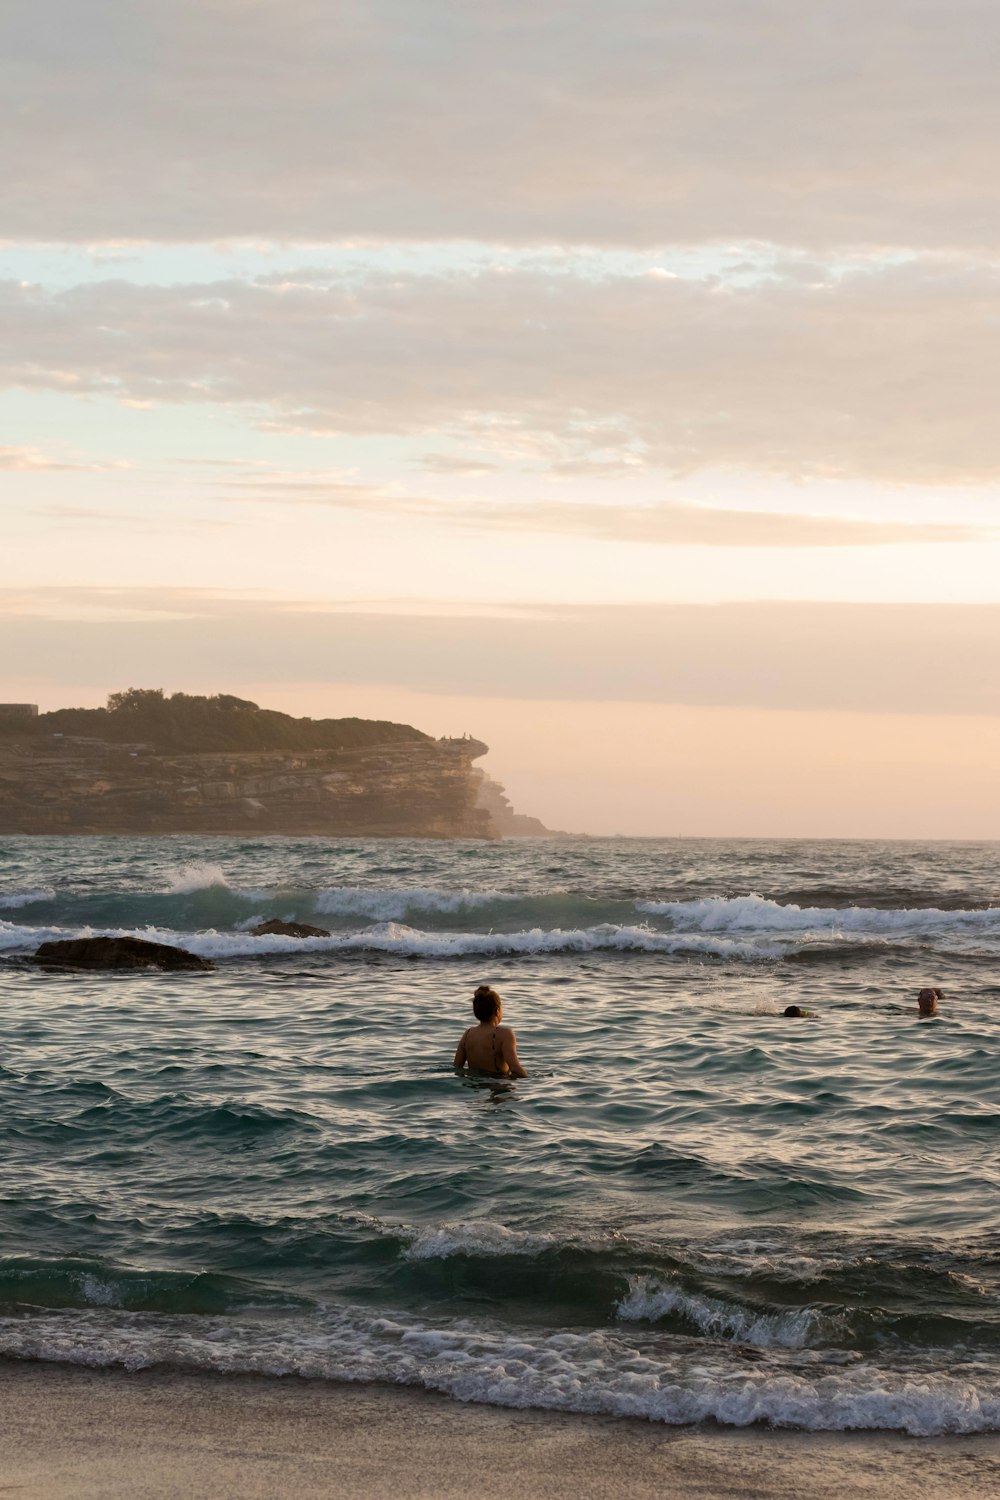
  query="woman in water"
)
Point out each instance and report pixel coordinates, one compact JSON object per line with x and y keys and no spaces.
{"x":927,"y":1002}
{"x":489,"y":1047}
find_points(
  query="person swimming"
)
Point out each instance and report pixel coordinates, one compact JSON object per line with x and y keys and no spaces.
{"x":489,"y":1047}
{"x":796,"y":1010}
{"x":927,"y":1001}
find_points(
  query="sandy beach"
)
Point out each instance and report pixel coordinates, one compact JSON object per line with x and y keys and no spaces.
{"x":71,"y":1434}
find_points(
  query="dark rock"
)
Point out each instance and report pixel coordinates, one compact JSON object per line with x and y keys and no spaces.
{"x":274,"y":925}
{"x":118,"y":953}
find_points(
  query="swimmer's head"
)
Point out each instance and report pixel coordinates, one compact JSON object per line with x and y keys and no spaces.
{"x":486,"y":1005}
{"x":795,"y":1010}
{"x":927,"y":1001}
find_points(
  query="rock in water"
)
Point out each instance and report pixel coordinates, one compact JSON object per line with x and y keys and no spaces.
{"x":118,"y":953}
{"x":274,"y":926}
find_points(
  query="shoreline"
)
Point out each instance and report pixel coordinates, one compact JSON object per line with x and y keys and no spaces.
{"x":73,"y":1433}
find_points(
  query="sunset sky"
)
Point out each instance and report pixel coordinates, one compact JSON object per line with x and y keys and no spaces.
{"x":618,"y":383}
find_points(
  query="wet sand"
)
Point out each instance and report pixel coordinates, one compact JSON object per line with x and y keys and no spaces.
{"x":73,"y":1434}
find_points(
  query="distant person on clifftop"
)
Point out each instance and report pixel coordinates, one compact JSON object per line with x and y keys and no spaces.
{"x":489,"y":1047}
{"x":927,"y":1002}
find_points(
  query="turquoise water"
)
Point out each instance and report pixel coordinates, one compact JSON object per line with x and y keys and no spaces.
{"x":691,"y":1208}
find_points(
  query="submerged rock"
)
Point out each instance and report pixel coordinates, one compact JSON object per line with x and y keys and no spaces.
{"x":274,"y":926}
{"x":118,"y":953}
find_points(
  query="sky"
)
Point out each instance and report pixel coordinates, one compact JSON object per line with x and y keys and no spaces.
{"x":618,"y":384}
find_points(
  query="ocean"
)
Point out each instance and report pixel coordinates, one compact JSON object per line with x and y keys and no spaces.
{"x":693,"y":1208}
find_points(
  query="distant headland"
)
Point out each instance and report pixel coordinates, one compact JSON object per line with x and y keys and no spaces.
{"x":149,"y":763}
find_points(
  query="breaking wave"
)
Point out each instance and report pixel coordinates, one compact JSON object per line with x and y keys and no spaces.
{"x":595,"y":1371}
{"x":409,"y":942}
{"x":393,"y":905}
{"x":650,"y":1300}
{"x":14,"y":900}
{"x":758,"y":913}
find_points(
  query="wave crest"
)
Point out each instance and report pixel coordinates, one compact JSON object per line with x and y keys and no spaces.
{"x":410,"y":942}
{"x":14,"y":900}
{"x":650,"y":1300}
{"x":761,"y":914}
{"x":596,"y":1372}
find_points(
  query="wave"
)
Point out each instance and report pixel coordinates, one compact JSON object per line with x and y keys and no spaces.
{"x":649,"y":1300}
{"x":886,"y":897}
{"x":596,"y":1371}
{"x":484,"y":1237}
{"x":14,"y":900}
{"x":199,"y":898}
{"x":198,"y":876}
{"x":409,"y":942}
{"x":28,"y":1282}
{"x":201,"y":875}
{"x":394,"y":905}
{"x":761,"y":914}
{"x":774,"y":1293}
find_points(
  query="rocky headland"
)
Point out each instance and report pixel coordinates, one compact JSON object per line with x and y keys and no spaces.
{"x":152,"y":764}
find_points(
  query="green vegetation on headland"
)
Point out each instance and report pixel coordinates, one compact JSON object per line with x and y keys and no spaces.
{"x":185,"y":723}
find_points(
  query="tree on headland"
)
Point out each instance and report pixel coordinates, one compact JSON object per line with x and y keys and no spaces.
{"x":131,"y":700}
{"x":189,"y":722}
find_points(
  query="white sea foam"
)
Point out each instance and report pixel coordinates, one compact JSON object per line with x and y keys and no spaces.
{"x":13,"y":900}
{"x":481,"y":1237}
{"x":407,"y":942}
{"x":197,"y":876}
{"x":600,"y":1372}
{"x":201,"y":875}
{"x":394,"y":905}
{"x":411,"y":942}
{"x":100,"y":1293}
{"x":755,"y":1257}
{"x":15,"y":938}
{"x":650,"y":1299}
{"x":759,"y":914}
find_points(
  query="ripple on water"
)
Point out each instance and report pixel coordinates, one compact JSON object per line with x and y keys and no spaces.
{"x":731,"y":1213}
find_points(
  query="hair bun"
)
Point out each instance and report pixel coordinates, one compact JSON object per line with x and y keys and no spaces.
{"x":486,"y":1003}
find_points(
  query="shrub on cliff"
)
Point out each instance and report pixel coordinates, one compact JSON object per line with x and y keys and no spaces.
{"x":188,"y":722}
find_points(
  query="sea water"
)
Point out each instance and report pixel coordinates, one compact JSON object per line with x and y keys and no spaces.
{"x":692,"y":1208}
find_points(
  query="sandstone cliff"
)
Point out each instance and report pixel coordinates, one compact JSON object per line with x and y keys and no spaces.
{"x":75,"y":785}
{"x":493,"y":800}
{"x":379,"y":780}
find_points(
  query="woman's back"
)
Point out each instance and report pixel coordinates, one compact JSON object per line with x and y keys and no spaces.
{"x":489,"y":1047}
{"x":484,"y":1048}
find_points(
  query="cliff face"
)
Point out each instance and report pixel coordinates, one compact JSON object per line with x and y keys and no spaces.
{"x":423,"y":788}
{"x":508,"y":824}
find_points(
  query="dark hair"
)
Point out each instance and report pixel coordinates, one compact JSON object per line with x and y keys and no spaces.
{"x":485,"y":1003}
{"x":793,"y":1010}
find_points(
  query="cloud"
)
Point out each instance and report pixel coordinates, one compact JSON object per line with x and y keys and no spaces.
{"x":703,"y":526}
{"x":457,"y":463}
{"x":874,"y":371}
{"x":35,"y":461}
{"x":828,"y":123}
{"x":57,"y":602}
{"x":670,"y":524}
{"x":876,"y":659}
